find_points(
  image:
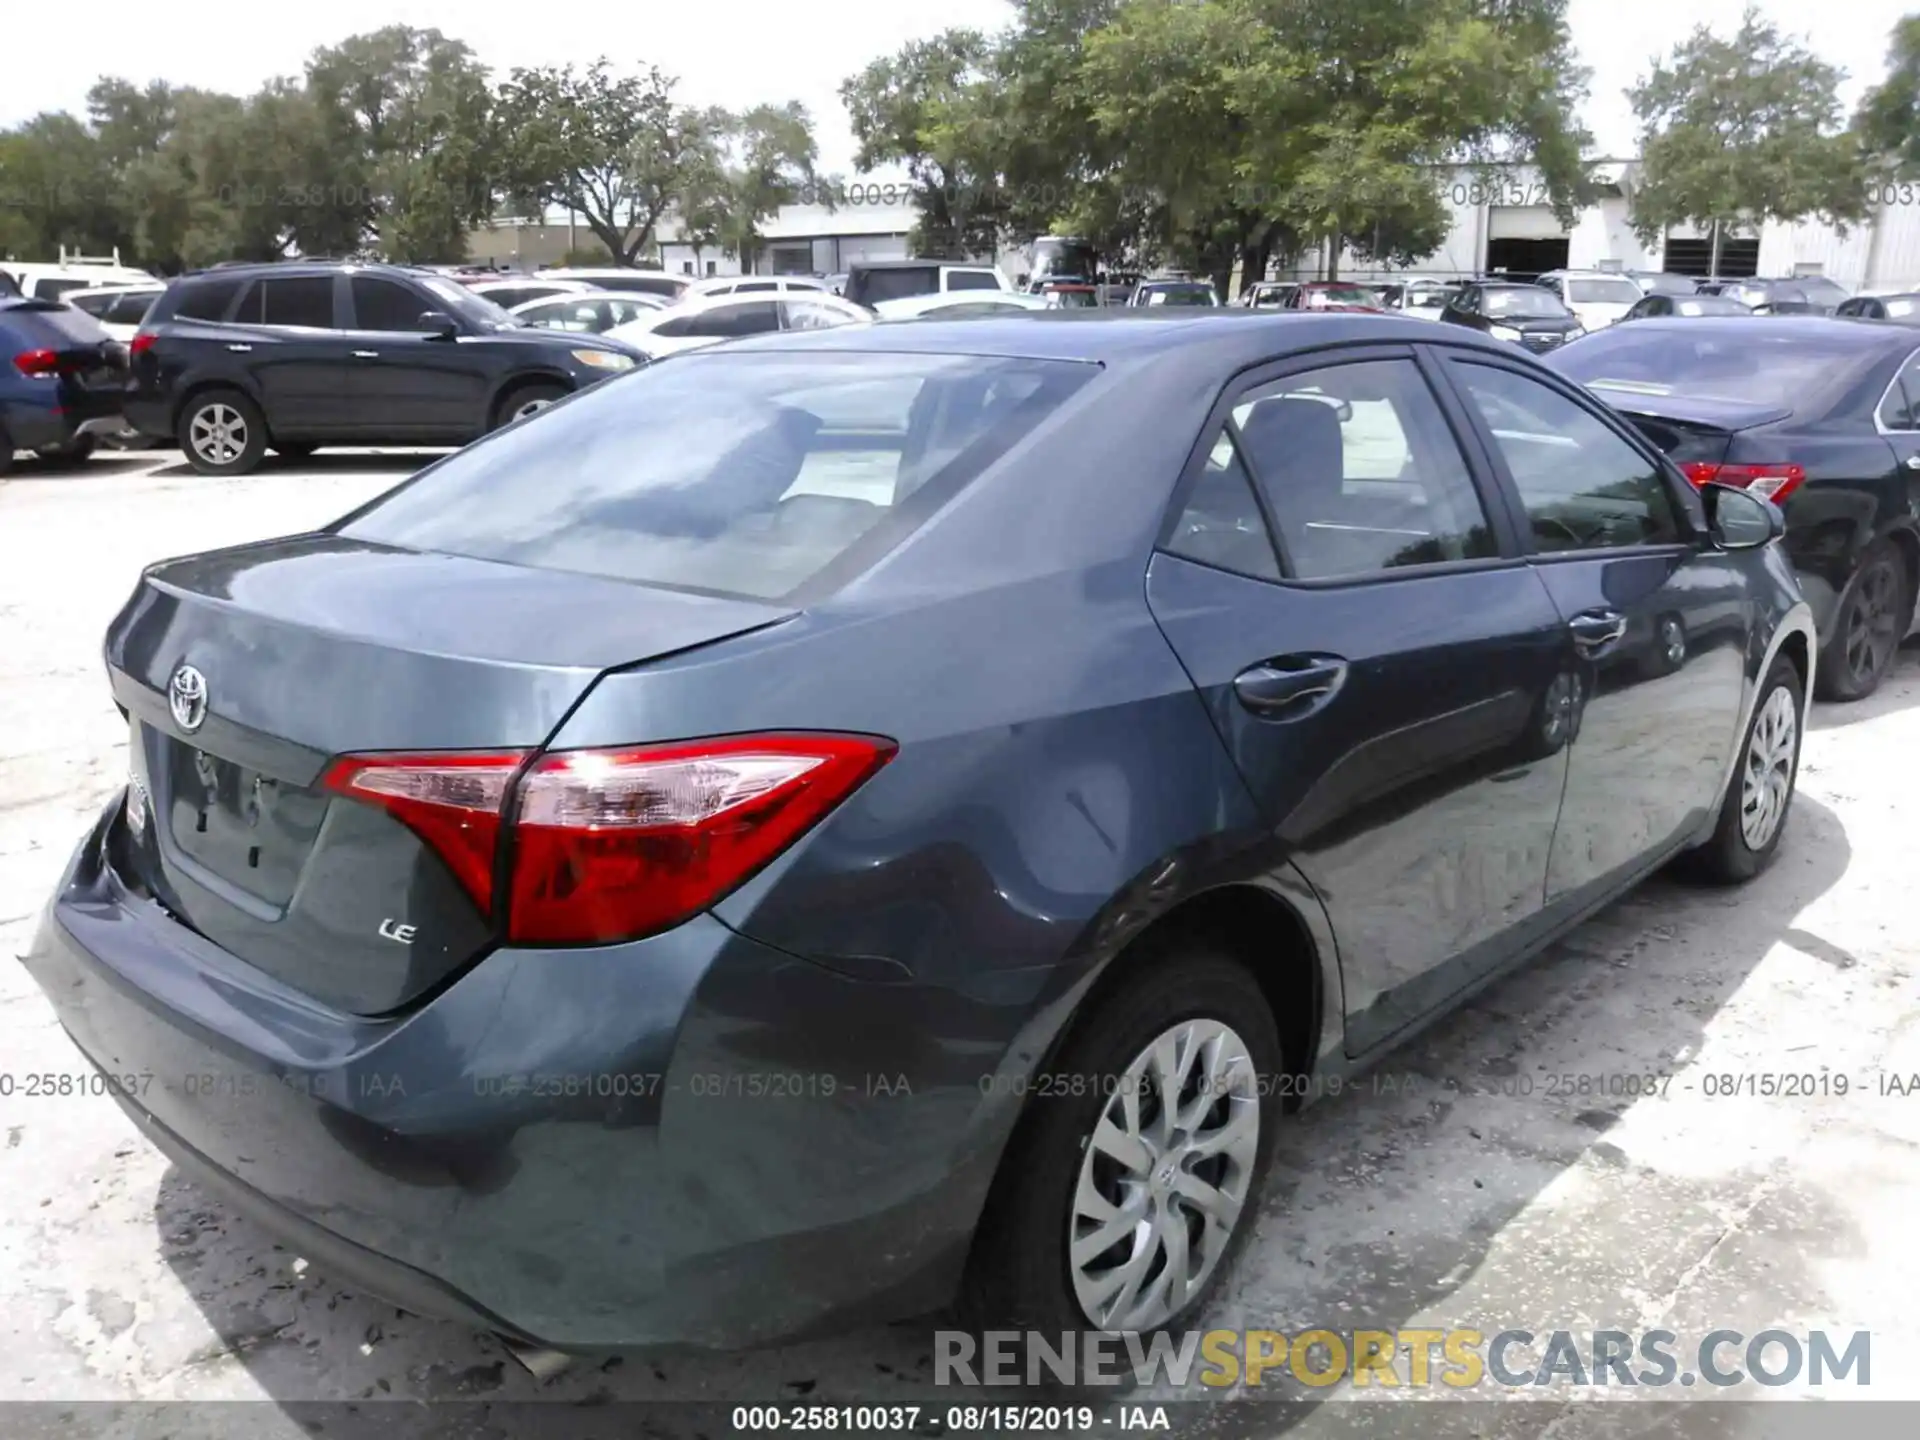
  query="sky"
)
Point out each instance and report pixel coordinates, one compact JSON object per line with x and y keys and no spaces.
{"x":742,"y":52}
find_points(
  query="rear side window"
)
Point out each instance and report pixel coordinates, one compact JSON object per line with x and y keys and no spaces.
{"x":972,"y":280}
{"x":1221,"y":525}
{"x":206,"y":299}
{"x":300,"y":300}
{"x":131,"y":308}
{"x":746,"y":474}
{"x":872,"y":287}
{"x":756,"y":317}
{"x":95,"y":305}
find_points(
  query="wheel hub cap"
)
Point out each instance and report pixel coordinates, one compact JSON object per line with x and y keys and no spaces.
{"x":1164,"y":1176}
{"x":1767,"y":784}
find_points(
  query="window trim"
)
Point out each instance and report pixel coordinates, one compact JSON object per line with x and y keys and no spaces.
{"x":1695,"y":535}
{"x":427,"y":302}
{"x":1492,"y":502}
{"x":341,"y":305}
{"x":1887,"y":390}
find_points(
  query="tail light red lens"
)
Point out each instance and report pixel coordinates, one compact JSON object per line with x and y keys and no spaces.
{"x":37,"y":362}
{"x":452,"y":802}
{"x":139,"y":345}
{"x":610,"y":845}
{"x":1769,"y":482}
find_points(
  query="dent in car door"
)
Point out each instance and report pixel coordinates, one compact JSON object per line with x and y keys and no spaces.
{"x":1388,"y":685}
{"x":1656,"y":624}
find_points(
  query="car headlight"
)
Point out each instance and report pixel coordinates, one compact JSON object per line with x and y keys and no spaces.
{"x":1503,"y":332}
{"x":604,"y":359}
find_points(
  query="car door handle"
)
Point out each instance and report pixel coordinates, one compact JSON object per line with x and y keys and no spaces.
{"x":1594,"y":630}
{"x":1282,"y":689}
{"x":240,"y":349}
{"x":1913,"y":462}
{"x":366,"y":354}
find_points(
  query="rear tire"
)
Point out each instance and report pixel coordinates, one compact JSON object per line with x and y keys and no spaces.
{"x":1053,"y":1182}
{"x":525,"y":400}
{"x":222,"y":432}
{"x":1753,"y":812}
{"x":1871,"y":621}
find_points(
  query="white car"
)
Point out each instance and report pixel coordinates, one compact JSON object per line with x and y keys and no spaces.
{"x":523,"y":289}
{"x":752,"y":284}
{"x":623,"y":278}
{"x":591,"y":313}
{"x":118,"y":308}
{"x":53,"y":282}
{"x":1596,"y":296}
{"x":694,"y":323}
{"x":956,"y":304}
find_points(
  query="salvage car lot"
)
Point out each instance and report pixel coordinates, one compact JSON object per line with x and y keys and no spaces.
{"x":1453,"y":1190}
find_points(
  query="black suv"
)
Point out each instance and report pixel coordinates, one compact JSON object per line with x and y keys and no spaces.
{"x":293,"y":356}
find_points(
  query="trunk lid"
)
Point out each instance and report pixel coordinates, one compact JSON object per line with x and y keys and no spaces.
{"x":1688,"y":427}
{"x":70,"y":347}
{"x":318,"y":646}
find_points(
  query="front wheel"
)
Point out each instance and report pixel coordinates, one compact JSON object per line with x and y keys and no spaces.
{"x":222,"y":433}
{"x":1136,"y":1172}
{"x":1874,"y":611}
{"x":1753,"y":813}
{"x":525,"y":400}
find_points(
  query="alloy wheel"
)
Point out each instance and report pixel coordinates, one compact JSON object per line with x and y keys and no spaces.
{"x":531,"y":407}
{"x":1767,"y":784}
{"x":1873,"y":622}
{"x":1164,"y":1177}
{"x":218,"y":434}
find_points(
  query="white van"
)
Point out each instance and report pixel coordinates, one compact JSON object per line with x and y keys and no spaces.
{"x":73,"y":271}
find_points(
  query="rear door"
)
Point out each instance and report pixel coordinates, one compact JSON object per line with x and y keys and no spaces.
{"x":1656,"y":621}
{"x":297,"y":352}
{"x":1343,"y":588}
{"x":405,"y":384}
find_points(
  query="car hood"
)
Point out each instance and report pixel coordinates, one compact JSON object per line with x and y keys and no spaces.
{"x":538,"y":338}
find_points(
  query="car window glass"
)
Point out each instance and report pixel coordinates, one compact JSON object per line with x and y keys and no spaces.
{"x":738,"y":472}
{"x":132,"y":308}
{"x":673,"y":329}
{"x":1583,"y":486}
{"x":94,"y":305}
{"x":53,"y":288}
{"x":304,"y":300}
{"x":1360,"y":471}
{"x":755,"y":317}
{"x":386,"y":305}
{"x":1900,"y":406}
{"x":811,"y":315}
{"x":971,"y":280}
{"x":748,"y":285}
{"x":625,"y":310}
{"x":1221,"y":524}
{"x":206,"y":299}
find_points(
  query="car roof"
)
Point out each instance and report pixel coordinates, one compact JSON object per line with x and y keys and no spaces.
{"x":1838,"y":331}
{"x":1227,"y":336}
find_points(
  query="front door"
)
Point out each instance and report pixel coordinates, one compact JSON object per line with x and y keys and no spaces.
{"x":1387,"y":674}
{"x":1655,"y":616}
{"x":405,"y":384}
{"x":297,"y":353}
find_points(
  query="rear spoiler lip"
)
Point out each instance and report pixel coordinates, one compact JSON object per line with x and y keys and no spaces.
{"x":1727,"y":415}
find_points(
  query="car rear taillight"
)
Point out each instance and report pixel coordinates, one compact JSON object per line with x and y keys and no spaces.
{"x":1769,"y":482}
{"x":37,"y":362}
{"x":609,"y":845}
{"x":140,"y":344}
{"x":453,"y":802}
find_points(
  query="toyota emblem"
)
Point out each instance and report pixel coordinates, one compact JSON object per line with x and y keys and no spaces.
{"x":187,"y":698}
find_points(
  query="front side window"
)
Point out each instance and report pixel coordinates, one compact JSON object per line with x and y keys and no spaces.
{"x":1582,"y":485}
{"x":1360,"y":471}
{"x":387,"y":305}
{"x":735,"y":472}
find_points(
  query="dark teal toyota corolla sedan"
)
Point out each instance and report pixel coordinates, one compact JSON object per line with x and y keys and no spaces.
{"x":841,"y":820}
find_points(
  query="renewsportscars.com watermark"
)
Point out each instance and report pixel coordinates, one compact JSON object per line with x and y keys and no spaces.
{"x":1410,"y":1358}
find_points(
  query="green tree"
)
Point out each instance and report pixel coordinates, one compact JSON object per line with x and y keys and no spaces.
{"x":772,"y":154}
{"x":932,"y":109}
{"x":614,"y":149}
{"x":1743,"y":130}
{"x":1888,"y":121}
{"x":408,"y":116}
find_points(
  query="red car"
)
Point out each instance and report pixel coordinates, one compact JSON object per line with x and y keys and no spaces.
{"x":1333,"y":295}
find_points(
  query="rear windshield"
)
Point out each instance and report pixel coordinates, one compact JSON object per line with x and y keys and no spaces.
{"x":744,"y":474}
{"x":51,"y":325}
{"x":1750,"y":366}
{"x":1525,"y":301}
{"x":1195,"y":294}
{"x":1602,"y":292}
{"x":871,"y":287}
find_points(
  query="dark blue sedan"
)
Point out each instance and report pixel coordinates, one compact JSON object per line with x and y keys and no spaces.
{"x":840,"y":820}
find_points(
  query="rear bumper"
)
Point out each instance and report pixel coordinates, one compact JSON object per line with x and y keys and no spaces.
{"x":150,"y":415}
{"x":31,"y":426}
{"x":675,"y":1141}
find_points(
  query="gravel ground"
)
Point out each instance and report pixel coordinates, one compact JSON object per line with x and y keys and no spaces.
{"x":1443,"y":1195}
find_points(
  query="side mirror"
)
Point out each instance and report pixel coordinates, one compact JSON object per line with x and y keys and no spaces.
{"x":1741,"y":521}
{"x":439,"y":325}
